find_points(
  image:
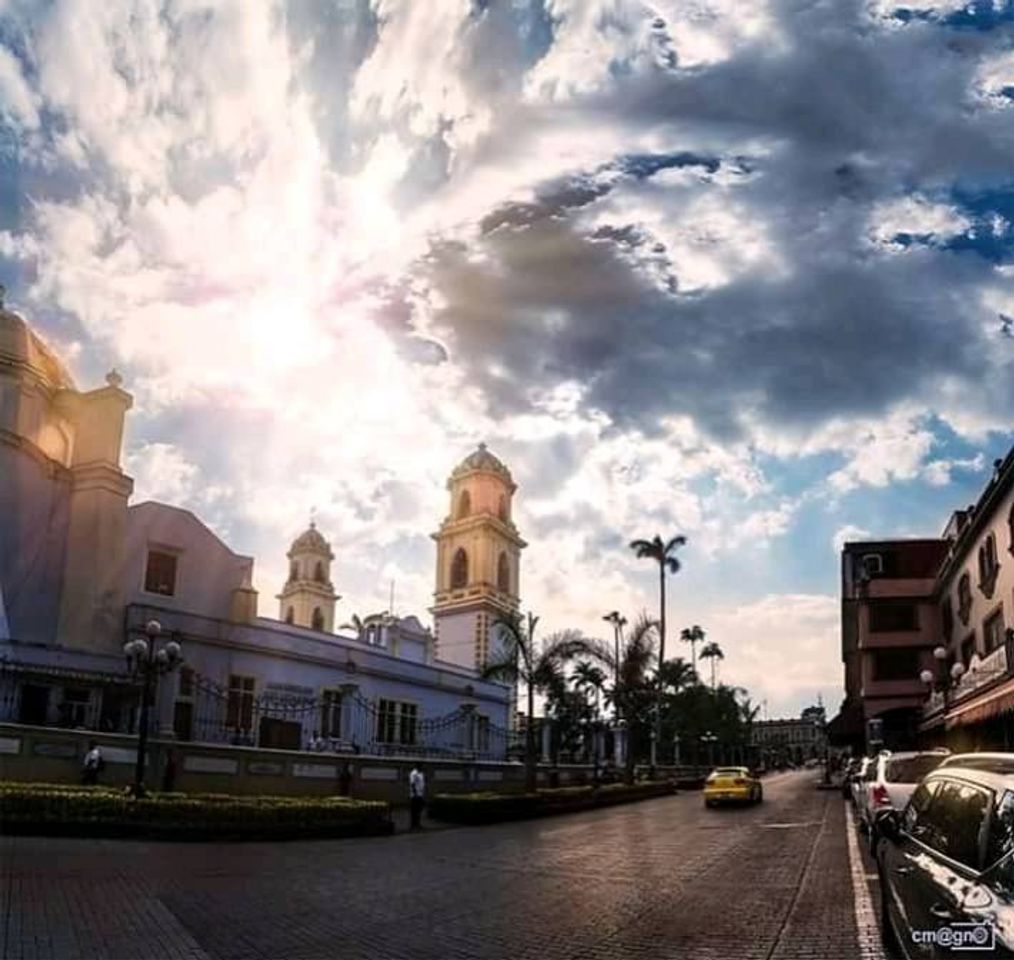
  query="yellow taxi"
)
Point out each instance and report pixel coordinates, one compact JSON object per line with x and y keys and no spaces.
{"x":732,"y":785}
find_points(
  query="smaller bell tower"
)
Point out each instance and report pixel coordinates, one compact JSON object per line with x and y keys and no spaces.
{"x":478,"y":560}
{"x":308,"y":598}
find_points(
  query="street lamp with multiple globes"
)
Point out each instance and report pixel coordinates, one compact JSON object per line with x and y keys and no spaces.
{"x":943,"y":680}
{"x":145,"y":664}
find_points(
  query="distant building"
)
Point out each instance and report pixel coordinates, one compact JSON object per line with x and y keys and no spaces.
{"x":792,"y":740}
{"x":904,"y":599}
{"x":82,"y":571}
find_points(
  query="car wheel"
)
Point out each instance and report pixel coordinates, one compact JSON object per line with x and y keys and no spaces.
{"x":709,"y":803}
{"x":873,"y":840}
{"x":760,"y":794}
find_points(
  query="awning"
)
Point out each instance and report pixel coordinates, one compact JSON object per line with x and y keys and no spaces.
{"x":999,"y":701}
{"x":16,"y":668}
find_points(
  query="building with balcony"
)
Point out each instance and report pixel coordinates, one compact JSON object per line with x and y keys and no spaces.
{"x":911,"y":610}
{"x":792,"y":740}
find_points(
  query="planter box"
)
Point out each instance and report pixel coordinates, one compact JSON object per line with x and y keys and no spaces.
{"x":479,"y":808}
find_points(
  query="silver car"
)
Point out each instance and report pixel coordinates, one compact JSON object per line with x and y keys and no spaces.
{"x":890,"y":779}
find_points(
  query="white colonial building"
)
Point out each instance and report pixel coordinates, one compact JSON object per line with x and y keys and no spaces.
{"x":82,"y":571}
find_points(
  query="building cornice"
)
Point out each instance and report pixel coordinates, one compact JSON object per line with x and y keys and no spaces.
{"x":475,"y":521}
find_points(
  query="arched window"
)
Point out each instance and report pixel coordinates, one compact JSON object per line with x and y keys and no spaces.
{"x":318,"y":572}
{"x":988,"y":565}
{"x":964,"y":597}
{"x":459,"y":569}
{"x":501,"y":509}
{"x":464,"y":505}
{"x":318,"y":619}
{"x":503,"y":574}
{"x":294,"y":571}
{"x":289,"y":614}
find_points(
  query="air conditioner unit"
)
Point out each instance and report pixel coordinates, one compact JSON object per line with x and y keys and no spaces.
{"x":872,"y":565}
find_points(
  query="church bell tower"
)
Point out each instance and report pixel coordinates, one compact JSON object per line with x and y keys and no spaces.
{"x":308,"y":598}
{"x":478,"y":560}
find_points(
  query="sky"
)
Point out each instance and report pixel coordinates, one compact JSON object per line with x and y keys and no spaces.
{"x":734,"y":269}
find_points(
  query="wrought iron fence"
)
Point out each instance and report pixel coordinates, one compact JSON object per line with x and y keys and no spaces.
{"x":208,"y":712}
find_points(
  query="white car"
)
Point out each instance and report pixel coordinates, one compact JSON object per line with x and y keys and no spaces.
{"x":857,"y":779}
{"x":888,"y":781}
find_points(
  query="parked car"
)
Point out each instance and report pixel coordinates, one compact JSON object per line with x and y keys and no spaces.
{"x":732,"y":784}
{"x":946,"y":861}
{"x":889,"y":781}
{"x":848,"y":771}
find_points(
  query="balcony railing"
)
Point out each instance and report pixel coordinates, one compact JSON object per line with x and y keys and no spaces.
{"x":980,"y":674}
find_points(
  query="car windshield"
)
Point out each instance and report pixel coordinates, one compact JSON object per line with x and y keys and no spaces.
{"x":912,"y":769}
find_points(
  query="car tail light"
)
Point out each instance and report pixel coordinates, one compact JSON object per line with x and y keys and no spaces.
{"x":739,"y":782}
{"x":880,"y":796}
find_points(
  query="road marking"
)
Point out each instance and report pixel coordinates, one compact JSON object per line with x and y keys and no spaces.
{"x":870,"y":946}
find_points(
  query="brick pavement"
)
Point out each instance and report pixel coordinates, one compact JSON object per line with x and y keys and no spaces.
{"x":659,"y":879}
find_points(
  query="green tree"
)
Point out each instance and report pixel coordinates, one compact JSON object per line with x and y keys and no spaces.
{"x":692,"y":635}
{"x":664,"y":554}
{"x":712,"y":651}
{"x":634,"y":691}
{"x":538,"y":667}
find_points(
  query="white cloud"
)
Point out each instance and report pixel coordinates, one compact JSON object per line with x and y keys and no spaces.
{"x":17,"y":100}
{"x":846,"y":534}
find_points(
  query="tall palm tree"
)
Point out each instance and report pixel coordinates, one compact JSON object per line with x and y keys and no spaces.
{"x":712,"y":651}
{"x":538,"y":668}
{"x":692,"y":635}
{"x":634,"y":691}
{"x":664,"y":554}
{"x":619,"y":622}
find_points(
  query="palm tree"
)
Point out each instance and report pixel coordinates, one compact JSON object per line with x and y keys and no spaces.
{"x":589,"y":679}
{"x":633,"y":692}
{"x":664,"y":554}
{"x":355,"y":624}
{"x":692,"y":635}
{"x":712,"y":651}
{"x":538,"y":668}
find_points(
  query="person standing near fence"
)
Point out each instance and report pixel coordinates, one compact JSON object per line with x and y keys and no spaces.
{"x":417,"y":795}
{"x":93,"y":764}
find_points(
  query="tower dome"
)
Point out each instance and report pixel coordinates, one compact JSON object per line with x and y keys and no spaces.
{"x":481,"y":460}
{"x":310,"y":541}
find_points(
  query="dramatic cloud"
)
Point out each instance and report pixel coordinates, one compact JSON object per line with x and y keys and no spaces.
{"x":732,"y":269}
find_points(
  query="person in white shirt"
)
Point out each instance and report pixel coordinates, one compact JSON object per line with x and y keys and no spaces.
{"x":417,"y":795}
{"x":93,"y":764}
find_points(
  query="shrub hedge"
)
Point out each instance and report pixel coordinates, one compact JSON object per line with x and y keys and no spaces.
{"x":68,"y":810}
{"x":476,"y":808}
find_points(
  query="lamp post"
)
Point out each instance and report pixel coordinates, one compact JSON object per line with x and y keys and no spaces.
{"x":145,"y":663}
{"x":619,"y":622}
{"x":710,"y":739}
{"x":943,"y":680}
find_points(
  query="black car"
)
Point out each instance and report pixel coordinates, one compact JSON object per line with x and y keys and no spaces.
{"x":946,"y":862}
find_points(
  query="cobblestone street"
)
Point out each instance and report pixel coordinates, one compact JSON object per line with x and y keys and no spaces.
{"x":663,"y":878}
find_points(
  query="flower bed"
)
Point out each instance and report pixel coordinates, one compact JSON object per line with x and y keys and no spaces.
{"x":476,"y":808}
{"x":64,"y":810}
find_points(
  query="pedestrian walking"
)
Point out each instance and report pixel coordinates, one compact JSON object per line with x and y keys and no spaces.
{"x":93,"y":764}
{"x":417,"y":795}
{"x":169,"y":773}
{"x":345,"y":779}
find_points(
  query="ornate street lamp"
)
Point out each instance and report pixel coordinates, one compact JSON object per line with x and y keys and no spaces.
{"x":710,"y":739}
{"x":145,"y":663}
{"x":943,"y":680}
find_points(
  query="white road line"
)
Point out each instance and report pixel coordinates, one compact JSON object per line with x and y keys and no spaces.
{"x":870,"y":945}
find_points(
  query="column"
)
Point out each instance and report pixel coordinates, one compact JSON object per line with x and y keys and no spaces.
{"x":348,"y":711}
{"x":545,"y":731}
{"x":619,"y":745}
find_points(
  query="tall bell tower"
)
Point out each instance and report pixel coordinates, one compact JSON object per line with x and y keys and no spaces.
{"x":478,"y":560}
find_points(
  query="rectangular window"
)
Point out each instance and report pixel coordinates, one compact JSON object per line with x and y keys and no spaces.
{"x":407,"y":723}
{"x":160,"y":574}
{"x":331,"y":714}
{"x":239,"y":708}
{"x":992,"y":632}
{"x":893,"y":617}
{"x":967,"y":649}
{"x":902,"y":664}
{"x":396,"y":722}
{"x":183,"y":720}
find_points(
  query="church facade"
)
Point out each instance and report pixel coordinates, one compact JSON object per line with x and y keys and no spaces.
{"x":83,"y":570}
